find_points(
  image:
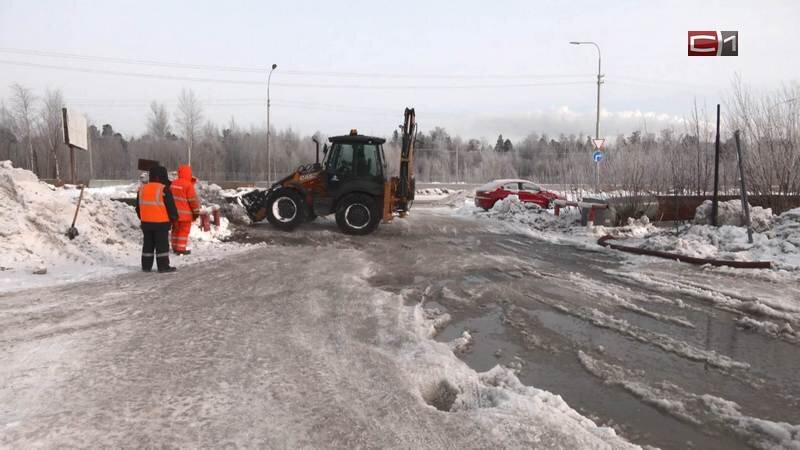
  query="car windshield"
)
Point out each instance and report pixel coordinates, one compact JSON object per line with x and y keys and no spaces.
{"x":530,"y":187}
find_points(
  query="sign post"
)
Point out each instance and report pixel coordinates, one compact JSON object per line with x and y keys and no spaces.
{"x":76,"y":135}
{"x":597,"y":156}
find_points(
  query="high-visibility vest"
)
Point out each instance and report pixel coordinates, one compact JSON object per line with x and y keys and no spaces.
{"x":151,"y":203}
{"x":185,"y":199}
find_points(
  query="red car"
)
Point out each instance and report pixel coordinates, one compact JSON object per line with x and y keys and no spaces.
{"x":527,"y":191}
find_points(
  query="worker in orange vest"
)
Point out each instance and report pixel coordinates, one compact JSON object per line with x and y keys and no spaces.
{"x":156,"y":209}
{"x":188,"y":206}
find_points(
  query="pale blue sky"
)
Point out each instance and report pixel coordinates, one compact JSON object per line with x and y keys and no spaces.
{"x":643,"y":43}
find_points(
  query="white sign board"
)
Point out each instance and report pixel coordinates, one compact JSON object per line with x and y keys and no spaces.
{"x":598,"y":143}
{"x":76,"y":129}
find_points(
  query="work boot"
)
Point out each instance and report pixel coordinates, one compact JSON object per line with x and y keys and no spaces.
{"x":168,"y":269}
{"x":147,"y":263}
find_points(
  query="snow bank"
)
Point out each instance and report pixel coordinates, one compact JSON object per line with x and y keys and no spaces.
{"x":35,"y":216}
{"x":731,"y":213}
{"x":544,"y":224}
{"x":779,"y":240}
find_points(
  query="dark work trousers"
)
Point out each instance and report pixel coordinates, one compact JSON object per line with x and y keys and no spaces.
{"x":156,"y":246}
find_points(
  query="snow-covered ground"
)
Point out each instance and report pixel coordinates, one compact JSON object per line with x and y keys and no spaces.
{"x":34,"y":218}
{"x":776,"y":238}
{"x":288,"y":361}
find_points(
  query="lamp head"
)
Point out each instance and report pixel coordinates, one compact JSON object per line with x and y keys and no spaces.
{"x":274,"y":66}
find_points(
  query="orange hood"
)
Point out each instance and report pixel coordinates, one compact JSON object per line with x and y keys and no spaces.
{"x":185,"y":173}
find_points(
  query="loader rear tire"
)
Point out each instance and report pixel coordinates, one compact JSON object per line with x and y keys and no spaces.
{"x":285,"y":209}
{"x":358,"y":214}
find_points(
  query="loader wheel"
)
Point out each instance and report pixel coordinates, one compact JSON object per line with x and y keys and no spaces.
{"x":285,"y":209}
{"x":358,"y":214}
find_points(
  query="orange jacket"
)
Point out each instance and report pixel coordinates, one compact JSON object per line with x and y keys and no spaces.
{"x":151,"y":203}
{"x":185,"y":195}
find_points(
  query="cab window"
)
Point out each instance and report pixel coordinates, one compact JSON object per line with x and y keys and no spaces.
{"x":360,"y":160}
{"x":513,"y":187}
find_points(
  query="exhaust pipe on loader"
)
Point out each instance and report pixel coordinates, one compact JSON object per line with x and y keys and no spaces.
{"x":316,"y":141}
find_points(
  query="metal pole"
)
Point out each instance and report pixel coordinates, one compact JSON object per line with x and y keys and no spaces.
{"x":269,"y":155}
{"x":715,"y":201}
{"x":597,"y":123}
{"x":745,"y":205}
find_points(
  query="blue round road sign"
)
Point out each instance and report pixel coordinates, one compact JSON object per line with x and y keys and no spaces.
{"x":597,"y":156}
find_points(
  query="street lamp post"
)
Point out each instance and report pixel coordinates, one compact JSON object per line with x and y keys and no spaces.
{"x":597,"y":123}
{"x":269,"y":156}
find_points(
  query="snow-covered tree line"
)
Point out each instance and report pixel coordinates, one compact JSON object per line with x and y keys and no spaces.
{"x":670,"y":161}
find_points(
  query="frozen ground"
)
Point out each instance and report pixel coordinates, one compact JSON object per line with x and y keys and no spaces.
{"x":35,"y":216}
{"x":257,"y":353}
{"x":428,"y":334}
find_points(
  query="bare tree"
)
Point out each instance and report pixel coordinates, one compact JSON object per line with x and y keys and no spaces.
{"x":158,"y":121}
{"x":51,"y":126}
{"x":22,"y":101}
{"x":189,"y":117}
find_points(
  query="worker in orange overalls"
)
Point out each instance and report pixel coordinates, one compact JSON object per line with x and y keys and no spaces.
{"x":156,"y":209}
{"x":188,"y":207}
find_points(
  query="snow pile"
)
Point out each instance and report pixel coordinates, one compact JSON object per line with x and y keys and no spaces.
{"x":116,"y":191}
{"x":731,"y":213}
{"x":535,"y":221}
{"x":779,"y":242}
{"x":210,"y":192}
{"x":34,"y":218}
{"x":215,"y":234}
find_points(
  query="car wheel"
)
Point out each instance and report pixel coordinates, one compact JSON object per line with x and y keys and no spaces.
{"x":358,"y":214}
{"x":285,"y":209}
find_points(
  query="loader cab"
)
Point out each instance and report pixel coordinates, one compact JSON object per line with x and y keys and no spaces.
{"x":352,"y":163}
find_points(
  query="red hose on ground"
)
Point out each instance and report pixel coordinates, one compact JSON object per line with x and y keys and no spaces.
{"x":603,"y":241}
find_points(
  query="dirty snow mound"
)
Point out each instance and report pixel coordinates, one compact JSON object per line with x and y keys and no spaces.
{"x":34,"y":218}
{"x":731,"y":213}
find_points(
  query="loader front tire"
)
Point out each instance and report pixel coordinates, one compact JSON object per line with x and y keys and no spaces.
{"x":285,"y":209}
{"x":358,"y":214}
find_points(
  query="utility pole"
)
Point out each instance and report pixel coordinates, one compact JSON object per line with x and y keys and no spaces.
{"x":715,"y":201}
{"x":269,"y":155}
{"x":597,"y":123}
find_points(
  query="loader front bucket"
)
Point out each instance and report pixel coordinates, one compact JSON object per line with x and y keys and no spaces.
{"x":255,"y":203}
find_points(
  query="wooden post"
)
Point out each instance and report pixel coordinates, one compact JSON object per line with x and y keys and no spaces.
{"x":745,"y":205}
{"x":72,"y":164}
{"x":715,"y":201}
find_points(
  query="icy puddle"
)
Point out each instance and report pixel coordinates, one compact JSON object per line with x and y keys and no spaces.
{"x":667,"y":363}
